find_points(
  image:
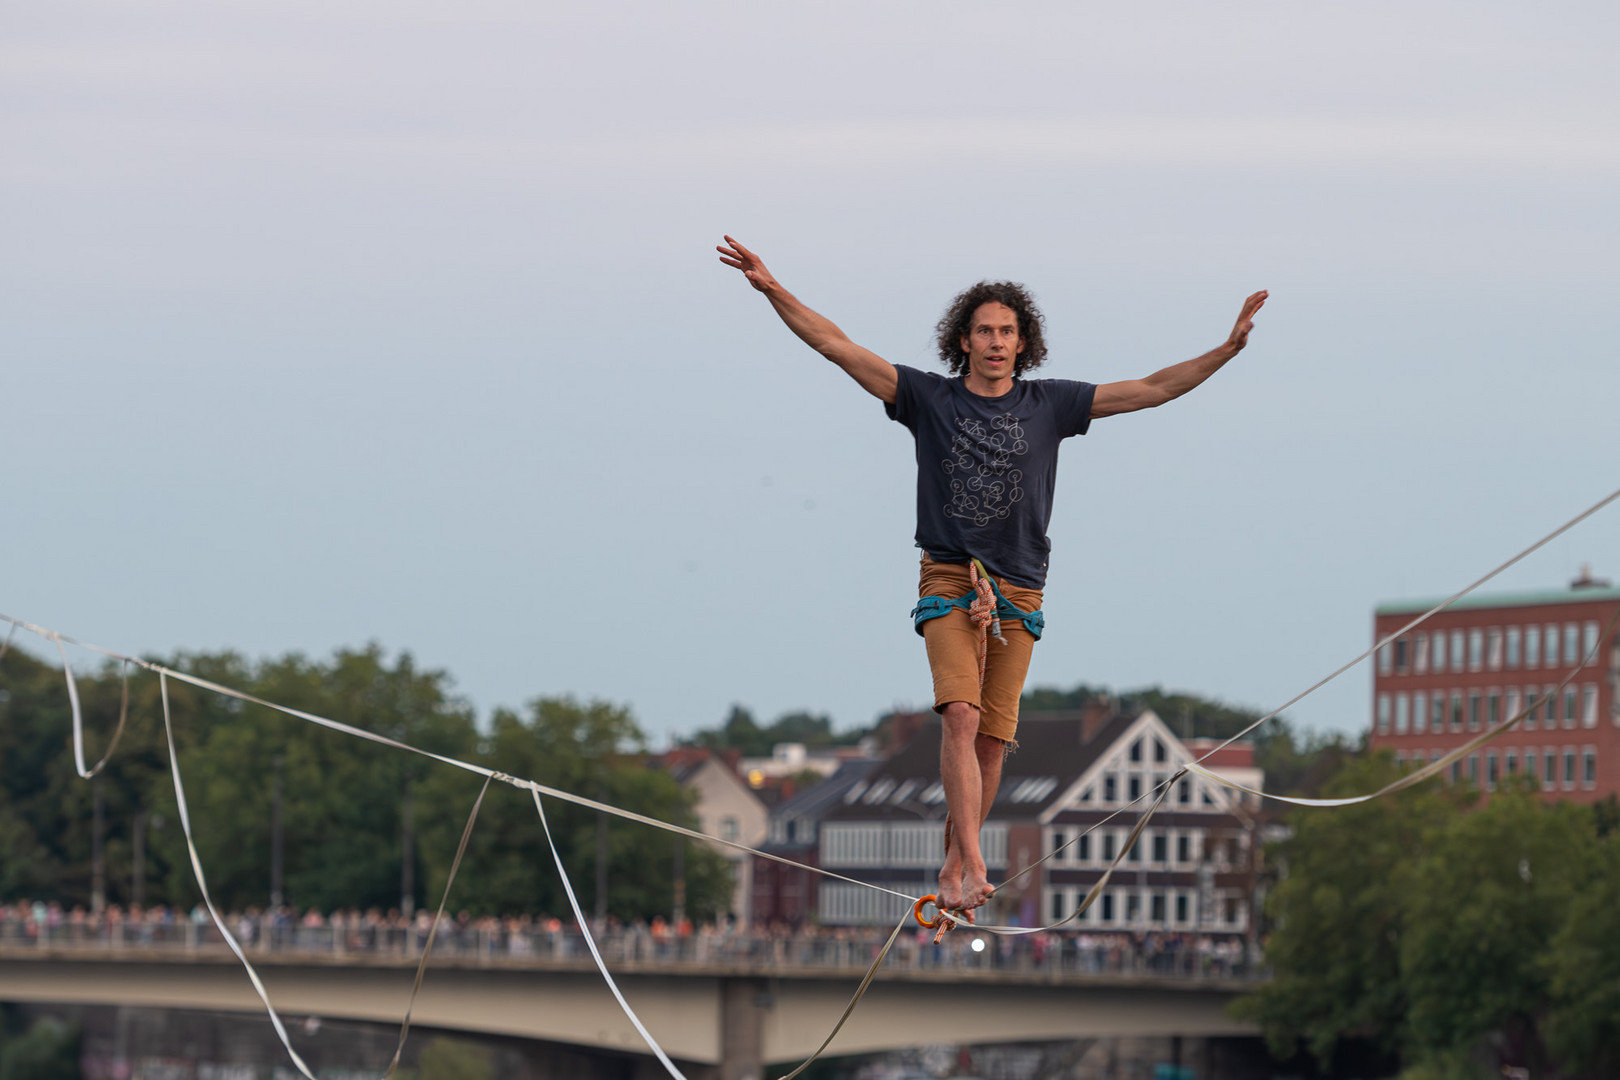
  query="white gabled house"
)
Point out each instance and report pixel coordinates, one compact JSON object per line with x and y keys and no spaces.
{"x":1191,"y":870}
{"x":1193,"y":867}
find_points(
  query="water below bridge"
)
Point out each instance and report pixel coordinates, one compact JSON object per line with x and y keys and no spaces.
{"x":738,"y":1009}
{"x":133,"y":1042}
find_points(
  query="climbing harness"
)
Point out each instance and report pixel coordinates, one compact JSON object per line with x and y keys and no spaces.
{"x":985,"y":599}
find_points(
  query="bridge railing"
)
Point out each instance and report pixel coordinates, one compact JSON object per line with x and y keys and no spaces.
{"x":1051,"y":955}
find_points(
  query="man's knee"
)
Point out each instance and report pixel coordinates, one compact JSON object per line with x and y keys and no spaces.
{"x":961,"y":720}
{"x":989,"y":748}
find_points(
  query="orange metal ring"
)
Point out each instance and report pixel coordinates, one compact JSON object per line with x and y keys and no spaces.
{"x":916,"y":911}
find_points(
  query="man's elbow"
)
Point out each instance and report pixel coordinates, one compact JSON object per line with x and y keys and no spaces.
{"x":1150,"y":395}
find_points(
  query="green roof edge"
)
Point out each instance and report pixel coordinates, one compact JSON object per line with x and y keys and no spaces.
{"x":1520,"y":599}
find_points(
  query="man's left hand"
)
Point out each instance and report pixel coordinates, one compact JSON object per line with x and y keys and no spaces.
{"x":1245,"y":320}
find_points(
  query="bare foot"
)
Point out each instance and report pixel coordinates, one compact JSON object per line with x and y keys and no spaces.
{"x":950,"y":881}
{"x":976,"y":888}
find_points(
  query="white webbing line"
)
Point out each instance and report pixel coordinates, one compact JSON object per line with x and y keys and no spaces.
{"x":1161,"y":791}
{"x":596,"y":954}
{"x":1003,"y":930}
{"x":1435,"y":767}
{"x":860,"y":992}
{"x":1435,"y":610}
{"x":383,"y":740}
{"x":78,"y":713}
{"x":1196,"y":764}
{"x":433,"y":931}
{"x":537,"y":789}
{"x":202,"y":884}
{"x":1417,"y":776}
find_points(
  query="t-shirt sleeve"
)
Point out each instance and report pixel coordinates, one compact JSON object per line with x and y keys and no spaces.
{"x":1071,"y":403}
{"x":907,"y":393}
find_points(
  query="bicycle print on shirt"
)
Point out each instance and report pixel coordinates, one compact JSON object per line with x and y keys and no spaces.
{"x":989,"y":484}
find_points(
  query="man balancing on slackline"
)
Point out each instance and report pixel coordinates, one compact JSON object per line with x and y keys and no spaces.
{"x":987,"y":449}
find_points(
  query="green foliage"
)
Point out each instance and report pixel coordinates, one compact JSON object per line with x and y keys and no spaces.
{"x":1492,"y":890}
{"x":49,"y":1050}
{"x":455,"y":1059}
{"x":1450,"y":1065}
{"x":1339,"y":918}
{"x":45,"y":811}
{"x":1444,"y":935}
{"x":1583,"y":1023}
{"x":1294,"y":764}
{"x":343,"y":798}
{"x":592,"y":750}
{"x":741,"y":732}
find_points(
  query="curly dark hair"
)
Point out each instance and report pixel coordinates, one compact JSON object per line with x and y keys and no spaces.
{"x":957,"y":321}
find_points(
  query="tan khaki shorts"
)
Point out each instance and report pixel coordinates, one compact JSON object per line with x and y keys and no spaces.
{"x":953,"y":651}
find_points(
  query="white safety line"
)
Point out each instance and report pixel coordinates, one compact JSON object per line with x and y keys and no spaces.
{"x":1436,"y":609}
{"x":1423,"y":618}
{"x":433,"y":931}
{"x":1160,"y":791}
{"x":202,"y":884}
{"x":371,"y":736}
{"x":596,"y":954}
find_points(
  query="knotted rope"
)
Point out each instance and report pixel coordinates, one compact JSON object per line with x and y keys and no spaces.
{"x":984,"y":615}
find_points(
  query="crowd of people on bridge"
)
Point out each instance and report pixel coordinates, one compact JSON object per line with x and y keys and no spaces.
{"x":541,"y":938}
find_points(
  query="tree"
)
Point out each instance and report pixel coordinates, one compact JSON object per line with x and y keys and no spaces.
{"x":1339,"y":918}
{"x":342,"y":796}
{"x":1583,"y":966}
{"x":45,"y":814}
{"x":742,"y":733}
{"x":1491,"y":891}
{"x":1294,"y":764}
{"x":594,"y":750}
{"x":48,"y":1050}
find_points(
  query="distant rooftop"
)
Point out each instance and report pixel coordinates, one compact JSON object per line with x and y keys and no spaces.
{"x":1583,"y":590}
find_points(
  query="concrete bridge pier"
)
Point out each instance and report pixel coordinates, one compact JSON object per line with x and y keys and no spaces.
{"x":744,"y":1003}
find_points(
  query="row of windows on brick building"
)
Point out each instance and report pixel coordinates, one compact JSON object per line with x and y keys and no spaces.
{"x":1554,"y":768}
{"x":1478,"y":709}
{"x":1489,"y":649}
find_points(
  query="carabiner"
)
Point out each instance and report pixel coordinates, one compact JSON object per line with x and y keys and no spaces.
{"x":916,"y":911}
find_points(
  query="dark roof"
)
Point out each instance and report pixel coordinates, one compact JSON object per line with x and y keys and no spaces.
{"x":814,"y":801}
{"x":1050,"y":757}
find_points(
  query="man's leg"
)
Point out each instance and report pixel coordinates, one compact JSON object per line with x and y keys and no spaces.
{"x":963,"y":880}
{"x":970,"y":758}
{"x":991,"y":752}
{"x":998,"y":724}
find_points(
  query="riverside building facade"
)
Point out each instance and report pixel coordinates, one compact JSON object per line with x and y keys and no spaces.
{"x":1480,"y":662}
{"x":1192,"y":870}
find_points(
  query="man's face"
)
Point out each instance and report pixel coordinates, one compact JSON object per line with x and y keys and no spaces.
{"x":992,"y":342}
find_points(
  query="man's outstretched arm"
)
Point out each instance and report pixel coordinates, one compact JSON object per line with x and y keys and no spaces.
{"x":1170,"y":383}
{"x":875,"y":374}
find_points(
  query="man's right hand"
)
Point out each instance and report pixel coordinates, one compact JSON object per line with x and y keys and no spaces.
{"x":734,"y":254}
{"x":874,"y":374}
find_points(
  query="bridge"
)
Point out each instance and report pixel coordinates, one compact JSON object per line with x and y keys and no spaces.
{"x":724,"y":1009}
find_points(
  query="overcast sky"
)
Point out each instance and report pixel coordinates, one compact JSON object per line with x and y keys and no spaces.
{"x":326,"y":323}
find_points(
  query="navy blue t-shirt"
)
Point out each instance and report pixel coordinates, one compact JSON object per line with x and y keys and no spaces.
{"x":986,"y":467}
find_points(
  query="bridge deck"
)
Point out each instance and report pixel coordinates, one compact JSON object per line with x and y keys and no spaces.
{"x":694,"y":1010}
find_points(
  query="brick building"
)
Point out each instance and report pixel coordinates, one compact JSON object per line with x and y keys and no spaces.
{"x":1481,"y":661}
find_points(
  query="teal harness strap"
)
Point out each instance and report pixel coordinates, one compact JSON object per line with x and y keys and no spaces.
{"x":933,"y":607}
